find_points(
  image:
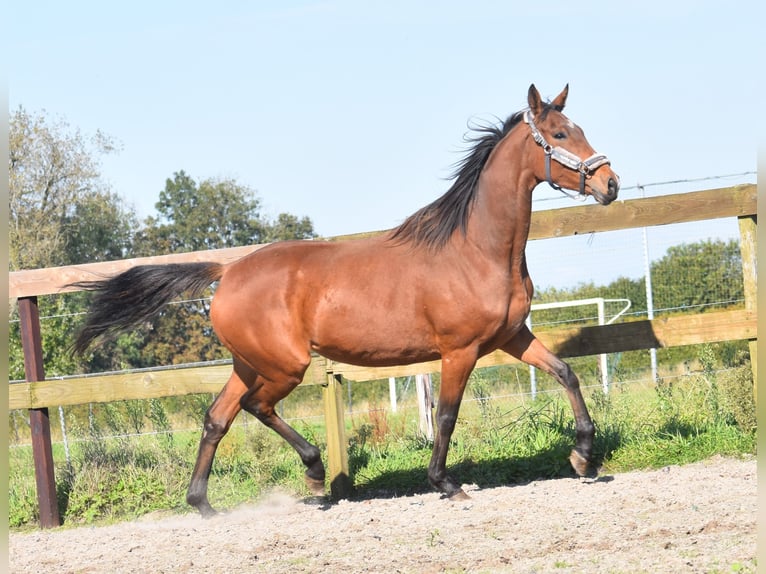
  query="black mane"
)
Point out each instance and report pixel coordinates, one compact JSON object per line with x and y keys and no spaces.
{"x":434,"y":224}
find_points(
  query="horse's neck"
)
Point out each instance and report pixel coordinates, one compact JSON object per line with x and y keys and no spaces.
{"x":501,"y":216}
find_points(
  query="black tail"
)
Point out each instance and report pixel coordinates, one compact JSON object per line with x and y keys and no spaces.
{"x":134,"y":296}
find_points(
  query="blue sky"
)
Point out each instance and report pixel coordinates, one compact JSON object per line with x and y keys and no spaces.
{"x":353,"y":113}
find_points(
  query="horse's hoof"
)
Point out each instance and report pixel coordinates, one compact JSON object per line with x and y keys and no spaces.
{"x":458,"y":496}
{"x":580,"y":464}
{"x":315,"y":486}
{"x":208,"y":512}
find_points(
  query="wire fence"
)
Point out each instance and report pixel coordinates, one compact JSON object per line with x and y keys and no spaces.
{"x":370,"y":403}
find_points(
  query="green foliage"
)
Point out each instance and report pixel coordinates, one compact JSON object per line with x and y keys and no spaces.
{"x":95,"y":226}
{"x":698,"y":275}
{"x":182,"y":333}
{"x":689,"y":276}
{"x":480,"y":388}
{"x":57,"y":327}
{"x":98,"y":228}
{"x":160,"y":421}
{"x":682,"y":420}
{"x":196,"y":217}
{"x":61,"y":212}
{"x":22,"y":493}
{"x":737,"y":401}
{"x":288,"y":226}
{"x":212,"y":214}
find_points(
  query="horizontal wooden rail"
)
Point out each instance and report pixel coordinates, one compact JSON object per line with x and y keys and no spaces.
{"x":581,"y":341}
{"x":571,"y":342}
{"x":646,"y":212}
{"x":667,"y":209}
{"x":52,"y":280}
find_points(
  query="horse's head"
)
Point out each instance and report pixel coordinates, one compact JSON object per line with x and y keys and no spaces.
{"x":575,"y":164}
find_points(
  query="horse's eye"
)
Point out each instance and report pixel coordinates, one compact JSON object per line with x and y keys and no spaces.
{"x":560,"y":136}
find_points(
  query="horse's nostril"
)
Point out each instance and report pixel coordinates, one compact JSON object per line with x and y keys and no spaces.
{"x":613,"y":187}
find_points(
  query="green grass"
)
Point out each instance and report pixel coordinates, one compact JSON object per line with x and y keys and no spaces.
{"x":497,"y":441}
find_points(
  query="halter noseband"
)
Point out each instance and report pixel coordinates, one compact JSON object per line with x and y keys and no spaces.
{"x":565,"y":158}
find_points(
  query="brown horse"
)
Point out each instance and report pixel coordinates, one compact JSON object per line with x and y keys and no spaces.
{"x":451,"y":282}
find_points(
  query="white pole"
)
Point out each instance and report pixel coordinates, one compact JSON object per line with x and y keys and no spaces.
{"x":602,"y":358}
{"x":532,"y":374}
{"x":599,"y":301}
{"x":425,"y":405}
{"x":64,"y":437}
{"x":392,"y":392}
{"x":649,"y":299}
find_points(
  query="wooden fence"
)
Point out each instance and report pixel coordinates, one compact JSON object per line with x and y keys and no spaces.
{"x":37,"y":394}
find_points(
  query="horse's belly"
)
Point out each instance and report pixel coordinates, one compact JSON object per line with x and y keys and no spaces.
{"x":375,"y":357}
{"x":373,"y":341}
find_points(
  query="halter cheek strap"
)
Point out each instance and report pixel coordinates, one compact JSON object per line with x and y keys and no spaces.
{"x":565,"y":158}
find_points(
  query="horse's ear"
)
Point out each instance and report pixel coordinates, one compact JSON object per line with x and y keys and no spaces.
{"x":561,"y":99}
{"x":534,"y":100}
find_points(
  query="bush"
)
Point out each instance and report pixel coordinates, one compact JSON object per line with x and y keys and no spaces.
{"x":737,"y":399}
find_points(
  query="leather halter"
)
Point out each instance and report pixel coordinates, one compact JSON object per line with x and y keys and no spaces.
{"x":565,"y":158}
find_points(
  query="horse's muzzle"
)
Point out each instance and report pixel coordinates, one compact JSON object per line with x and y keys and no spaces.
{"x":612,"y":188}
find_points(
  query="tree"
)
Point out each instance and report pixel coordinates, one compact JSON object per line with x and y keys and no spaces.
{"x":61,"y":211}
{"x":192,"y":217}
{"x":99,"y":228}
{"x":702,"y":274}
{"x":213,"y":214}
{"x":698,"y":275}
{"x":288,"y":226}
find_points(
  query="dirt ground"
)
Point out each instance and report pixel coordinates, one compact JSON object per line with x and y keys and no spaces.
{"x":695,"y":518}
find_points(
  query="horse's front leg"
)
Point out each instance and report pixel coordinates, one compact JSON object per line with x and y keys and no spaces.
{"x":527,"y":348}
{"x":456,"y":367}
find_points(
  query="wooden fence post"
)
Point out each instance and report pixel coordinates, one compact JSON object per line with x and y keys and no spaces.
{"x":42,"y":452}
{"x":748,"y":226}
{"x":337,"y":447}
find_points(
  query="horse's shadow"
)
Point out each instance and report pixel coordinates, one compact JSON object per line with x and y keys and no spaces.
{"x":551,"y":464}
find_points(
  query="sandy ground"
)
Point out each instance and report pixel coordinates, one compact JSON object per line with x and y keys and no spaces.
{"x":695,"y":518}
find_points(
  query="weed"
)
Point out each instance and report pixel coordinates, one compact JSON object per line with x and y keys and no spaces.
{"x":379,"y":428}
{"x":737,"y":400}
{"x":434,"y":538}
{"x":160,"y":421}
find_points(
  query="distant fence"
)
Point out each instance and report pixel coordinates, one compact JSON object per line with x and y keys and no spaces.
{"x":37,"y":393}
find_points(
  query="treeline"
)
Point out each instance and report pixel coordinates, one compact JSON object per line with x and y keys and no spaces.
{"x":696,"y":277}
{"x":690,"y":278}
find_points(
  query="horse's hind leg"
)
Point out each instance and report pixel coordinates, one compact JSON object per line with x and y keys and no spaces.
{"x":260,"y":402}
{"x":218,"y":420}
{"x":527,"y":348}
